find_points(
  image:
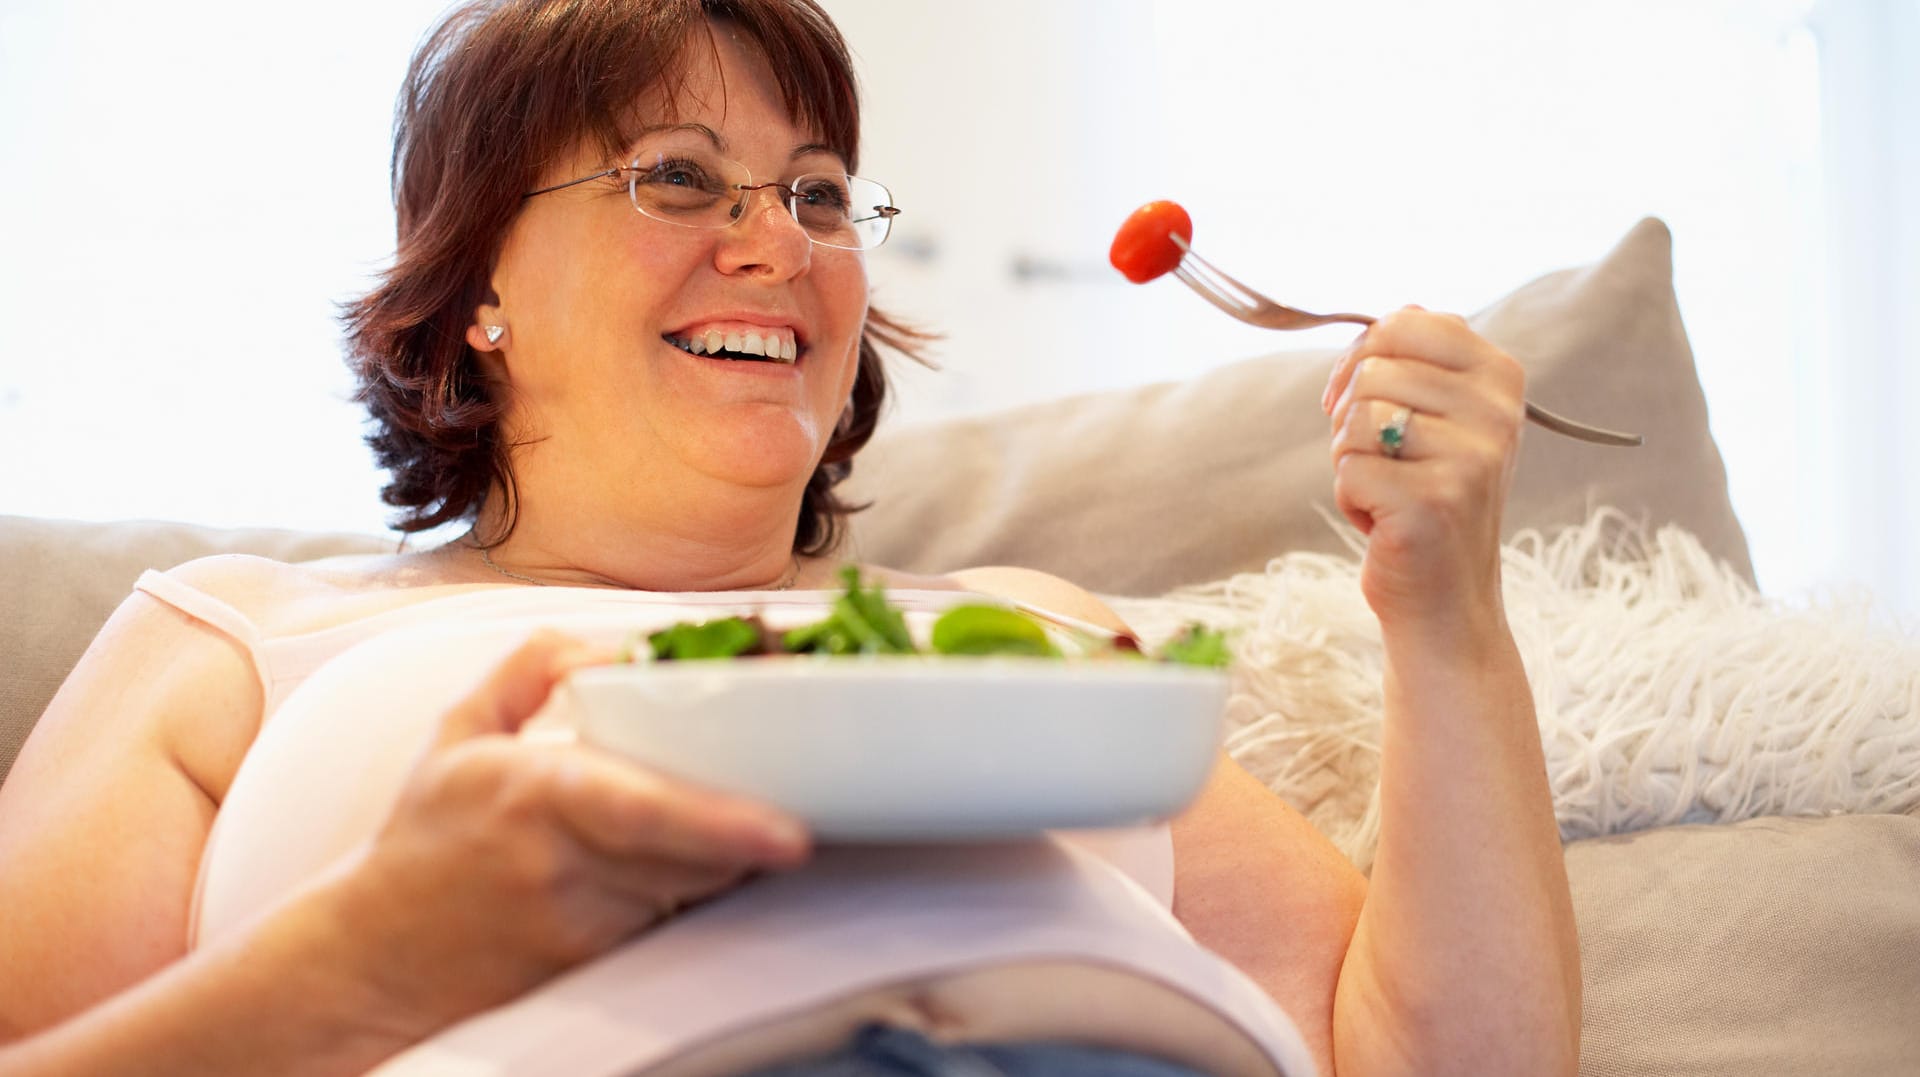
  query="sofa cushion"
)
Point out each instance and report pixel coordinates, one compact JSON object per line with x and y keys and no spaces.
{"x":1768,"y":948}
{"x":1136,"y":491}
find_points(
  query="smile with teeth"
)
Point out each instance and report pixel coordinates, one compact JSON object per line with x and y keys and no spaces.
{"x":767,"y":344}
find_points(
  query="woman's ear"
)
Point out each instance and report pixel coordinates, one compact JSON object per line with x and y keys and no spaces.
{"x":489,"y":326}
{"x":488,"y":331}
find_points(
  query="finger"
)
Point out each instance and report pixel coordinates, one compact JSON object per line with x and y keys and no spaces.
{"x":1369,"y":487}
{"x":622,"y":809}
{"x":1422,"y":436}
{"x":1410,"y":332}
{"x":517,"y":687}
{"x":1343,"y":365}
{"x":667,"y":886}
{"x":1443,"y":339}
{"x":1421,"y":386}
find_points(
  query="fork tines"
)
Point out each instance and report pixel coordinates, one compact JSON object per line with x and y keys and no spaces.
{"x":1213,"y":285}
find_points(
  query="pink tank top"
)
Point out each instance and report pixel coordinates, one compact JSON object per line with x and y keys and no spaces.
{"x":350,"y":707}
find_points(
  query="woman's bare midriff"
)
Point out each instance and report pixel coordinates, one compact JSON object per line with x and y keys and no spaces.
{"x":1057,"y":1000}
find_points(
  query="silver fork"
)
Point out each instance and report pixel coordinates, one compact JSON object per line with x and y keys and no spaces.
{"x":1255,"y":309}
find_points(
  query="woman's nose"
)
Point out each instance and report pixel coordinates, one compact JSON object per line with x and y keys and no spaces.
{"x":765,"y":237}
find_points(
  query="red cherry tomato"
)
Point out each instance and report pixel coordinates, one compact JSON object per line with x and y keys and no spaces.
{"x":1142,"y":248}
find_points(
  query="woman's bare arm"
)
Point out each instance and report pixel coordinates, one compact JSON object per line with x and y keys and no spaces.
{"x":276,"y":997}
{"x":102,"y":822}
{"x":103,"y":817}
{"x":1465,"y":959}
{"x":1436,"y":964}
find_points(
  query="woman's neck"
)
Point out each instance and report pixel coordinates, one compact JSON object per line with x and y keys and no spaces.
{"x":741,"y":540}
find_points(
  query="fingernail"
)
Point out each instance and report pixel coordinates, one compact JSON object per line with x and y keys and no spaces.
{"x":784,"y":836}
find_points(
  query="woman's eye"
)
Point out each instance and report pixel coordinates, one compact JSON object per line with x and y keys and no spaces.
{"x":825,"y":195}
{"x":675,"y":177}
{"x":678,"y":173}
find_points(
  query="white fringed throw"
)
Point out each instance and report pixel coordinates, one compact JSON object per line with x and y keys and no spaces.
{"x":1668,"y":690}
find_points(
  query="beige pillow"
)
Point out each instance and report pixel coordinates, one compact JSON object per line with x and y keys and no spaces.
{"x":1136,"y":491}
{"x":1769,"y":948}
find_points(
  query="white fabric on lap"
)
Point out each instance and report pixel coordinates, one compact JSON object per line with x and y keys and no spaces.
{"x":856,"y":918}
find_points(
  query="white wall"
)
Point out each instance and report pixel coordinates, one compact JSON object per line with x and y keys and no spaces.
{"x":187,"y":193}
{"x":188,"y":190}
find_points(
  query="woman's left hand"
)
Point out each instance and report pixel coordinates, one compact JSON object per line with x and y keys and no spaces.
{"x":1431,"y":513}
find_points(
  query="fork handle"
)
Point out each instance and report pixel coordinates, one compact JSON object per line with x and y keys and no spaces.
{"x":1560,"y":424}
{"x":1538,"y":415}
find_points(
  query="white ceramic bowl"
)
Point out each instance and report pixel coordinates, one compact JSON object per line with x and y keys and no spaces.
{"x":897,"y":749}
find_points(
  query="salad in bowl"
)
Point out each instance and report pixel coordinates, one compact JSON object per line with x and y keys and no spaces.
{"x":989,"y":724}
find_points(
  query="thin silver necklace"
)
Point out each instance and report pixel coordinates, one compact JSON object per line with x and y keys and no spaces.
{"x":786,"y":582}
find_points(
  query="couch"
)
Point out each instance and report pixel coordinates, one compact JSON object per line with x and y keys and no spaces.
{"x":1753,"y":945}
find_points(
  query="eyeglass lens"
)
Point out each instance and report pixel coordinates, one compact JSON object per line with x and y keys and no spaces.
{"x":699,"y":189}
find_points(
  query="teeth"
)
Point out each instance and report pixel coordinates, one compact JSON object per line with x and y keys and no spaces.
{"x":774,"y":345}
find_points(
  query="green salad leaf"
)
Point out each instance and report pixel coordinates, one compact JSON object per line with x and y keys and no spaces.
{"x":977,"y":630}
{"x":861,"y":622}
{"x":728,"y":637}
{"x":1198,"y":645}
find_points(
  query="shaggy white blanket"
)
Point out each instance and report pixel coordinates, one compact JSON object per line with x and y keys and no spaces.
{"x":1667,"y":689}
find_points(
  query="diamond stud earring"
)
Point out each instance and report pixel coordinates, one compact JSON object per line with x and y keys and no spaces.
{"x":495,"y":332}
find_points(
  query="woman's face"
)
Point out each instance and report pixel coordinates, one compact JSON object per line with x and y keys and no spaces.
{"x":598,"y":301}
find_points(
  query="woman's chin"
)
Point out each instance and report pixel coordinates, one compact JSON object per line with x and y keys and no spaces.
{"x":763,"y":459}
{"x":762,"y":474}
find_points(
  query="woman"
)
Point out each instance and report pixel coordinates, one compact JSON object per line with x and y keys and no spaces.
{"x":564,"y":373}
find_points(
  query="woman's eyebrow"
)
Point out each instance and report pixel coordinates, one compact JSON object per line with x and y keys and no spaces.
{"x":812,"y":148}
{"x":718,"y":140}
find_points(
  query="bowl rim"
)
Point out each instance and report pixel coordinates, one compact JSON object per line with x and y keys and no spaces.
{"x":906,"y":668}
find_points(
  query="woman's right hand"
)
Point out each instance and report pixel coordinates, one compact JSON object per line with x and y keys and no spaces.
{"x":506,"y":862}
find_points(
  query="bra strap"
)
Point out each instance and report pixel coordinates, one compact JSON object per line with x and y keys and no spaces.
{"x":220,"y":615}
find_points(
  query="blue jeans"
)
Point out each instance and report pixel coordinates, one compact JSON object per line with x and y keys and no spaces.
{"x":883,"y":1051}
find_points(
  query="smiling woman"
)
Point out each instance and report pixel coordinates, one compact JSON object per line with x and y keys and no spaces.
{"x":606,"y":210}
{"x":590,"y":310}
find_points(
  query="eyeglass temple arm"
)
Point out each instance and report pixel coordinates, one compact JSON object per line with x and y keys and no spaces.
{"x":602,"y":174}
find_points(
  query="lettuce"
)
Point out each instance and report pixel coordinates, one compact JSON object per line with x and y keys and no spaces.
{"x":863,"y":622}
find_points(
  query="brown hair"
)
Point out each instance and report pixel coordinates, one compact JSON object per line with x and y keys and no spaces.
{"x":498,"y":91}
